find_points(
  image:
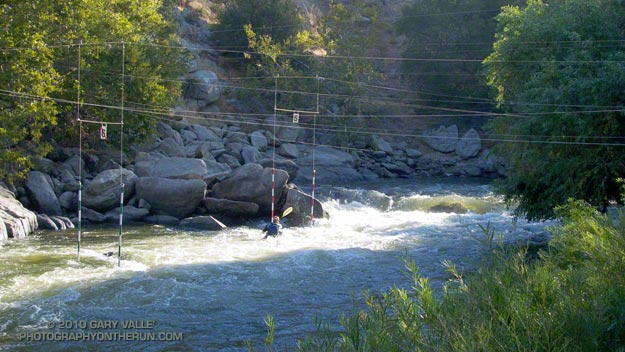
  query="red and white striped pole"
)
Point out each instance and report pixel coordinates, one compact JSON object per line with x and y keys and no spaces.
{"x":312,"y":201}
{"x":273,"y":191}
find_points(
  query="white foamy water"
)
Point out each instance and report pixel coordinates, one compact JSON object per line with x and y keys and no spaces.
{"x":216,"y":287}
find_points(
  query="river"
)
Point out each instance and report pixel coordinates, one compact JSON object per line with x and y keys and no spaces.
{"x":212,"y":290}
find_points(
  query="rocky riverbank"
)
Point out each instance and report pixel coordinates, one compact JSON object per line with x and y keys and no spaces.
{"x":199,"y":176}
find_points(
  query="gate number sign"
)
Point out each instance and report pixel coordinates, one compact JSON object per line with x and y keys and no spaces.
{"x":103,"y":132}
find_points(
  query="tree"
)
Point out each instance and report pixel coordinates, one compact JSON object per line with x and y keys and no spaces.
{"x":562,"y":63}
{"x":278,"y":19}
{"x":38,"y":70}
{"x":459,"y":31}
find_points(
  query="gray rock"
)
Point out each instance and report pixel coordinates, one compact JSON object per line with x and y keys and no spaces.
{"x":469,"y":145}
{"x":251,"y":183}
{"x":332,"y":165}
{"x":42,"y":164}
{"x":161,"y":220}
{"x":234,"y":148}
{"x":443,"y":139}
{"x":212,"y":178}
{"x":380,"y":144}
{"x":176,"y":168}
{"x":143,"y":156}
{"x":368,"y":175}
{"x":258,"y":140}
{"x":289,"y":150}
{"x":103,"y":192}
{"x":397,"y":168}
{"x":214,"y":167}
{"x":203,"y":151}
{"x":62,"y":222}
{"x":92,"y":215}
{"x":300,"y":202}
{"x":167,"y":132}
{"x":170,"y":148}
{"x":470,"y":169}
{"x":288,"y":134}
{"x":143,"y":204}
{"x":202,"y":223}
{"x":413,"y":153}
{"x":237,"y":137}
{"x":250,"y":155}
{"x":205,"y":86}
{"x":174,"y":197}
{"x":131,"y":214}
{"x":75,"y":163}
{"x":45,"y":223}
{"x":16,"y":221}
{"x":39,"y":187}
{"x":230,"y":207}
{"x":204,"y":134}
{"x":229,"y":160}
{"x":188,"y":135}
{"x":3,"y":229}
{"x":287,"y":165}
{"x":68,"y":200}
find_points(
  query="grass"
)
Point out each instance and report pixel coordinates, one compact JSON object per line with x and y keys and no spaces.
{"x":570,"y":298}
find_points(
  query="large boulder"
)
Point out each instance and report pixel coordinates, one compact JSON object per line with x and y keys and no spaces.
{"x":205,"y":134}
{"x":202,"y":223}
{"x":204,"y":86}
{"x":300,"y":202}
{"x":175,"y":197}
{"x":332,"y":165}
{"x":45,"y":223}
{"x":170,"y":148}
{"x":287,"y":165}
{"x":258,"y":140}
{"x":380,"y":144}
{"x":288,"y":133}
{"x":178,"y":168}
{"x":443,"y":139}
{"x":39,"y":187}
{"x":251,"y":183}
{"x":167,"y":132}
{"x":214,"y":167}
{"x":469,"y":145}
{"x":230,"y":207}
{"x":103,"y":192}
{"x":15,"y":220}
{"x":131,"y":214}
{"x":289,"y":150}
{"x":92,"y":215}
{"x":250,"y":155}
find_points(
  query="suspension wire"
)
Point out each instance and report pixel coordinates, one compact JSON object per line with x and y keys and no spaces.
{"x":121,"y":161}
{"x":80,"y":158}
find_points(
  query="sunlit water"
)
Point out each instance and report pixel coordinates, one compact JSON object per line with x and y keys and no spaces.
{"x":215,"y":288}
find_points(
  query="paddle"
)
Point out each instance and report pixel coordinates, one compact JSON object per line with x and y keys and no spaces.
{"x":287,"y":211}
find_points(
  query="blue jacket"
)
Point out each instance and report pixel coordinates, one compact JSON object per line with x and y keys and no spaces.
{"x":272,"y":229}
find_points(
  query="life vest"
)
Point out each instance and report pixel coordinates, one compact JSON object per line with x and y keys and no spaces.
{"x":272,"y":229}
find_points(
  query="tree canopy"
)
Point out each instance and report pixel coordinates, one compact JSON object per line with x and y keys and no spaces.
{"x":449,"y":39}
{"x":39,"y":66}
{"x":561,"y":65}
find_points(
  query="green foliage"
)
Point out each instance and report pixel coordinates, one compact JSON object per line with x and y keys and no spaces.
{"x":277,"y":19}
{"x":437,"y":30}
{"x":560,"y":63}
{"x":36,"y":61}
{"x":571,"y":299}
